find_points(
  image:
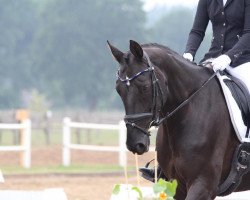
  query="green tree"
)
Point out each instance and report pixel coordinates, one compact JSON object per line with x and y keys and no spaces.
{"x":17,"y":24}
{"x":173,"y":29}
{"x":70,"y":50}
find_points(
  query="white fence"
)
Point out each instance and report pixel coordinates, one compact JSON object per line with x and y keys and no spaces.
{"x":67,"y":145}
{"x":25,"y":141}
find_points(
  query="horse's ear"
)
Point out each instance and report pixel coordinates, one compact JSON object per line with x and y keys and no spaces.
{"x":136,"y":49}
{"x":118,"y":55}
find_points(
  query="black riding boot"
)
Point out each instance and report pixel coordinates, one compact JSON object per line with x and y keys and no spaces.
{"x":149,"y":174}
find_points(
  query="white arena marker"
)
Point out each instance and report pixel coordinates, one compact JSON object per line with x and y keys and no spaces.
{"x":54,"y":194}
{"x":47,"y":194}
{"x":1,"y":177}
{"x":236,"y":196}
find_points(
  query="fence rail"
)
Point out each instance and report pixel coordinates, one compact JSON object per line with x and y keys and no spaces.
{"x":25,"y":141}
{"x":67,"y":145}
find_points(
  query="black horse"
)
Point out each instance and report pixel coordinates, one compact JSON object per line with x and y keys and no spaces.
{"x":196,"y":142}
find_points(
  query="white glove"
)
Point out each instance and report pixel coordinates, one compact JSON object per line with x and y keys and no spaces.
{"x":188,"y":56}
{"x":221,"y":62}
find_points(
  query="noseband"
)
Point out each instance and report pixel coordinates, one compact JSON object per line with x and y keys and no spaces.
{"x":132,"y":119}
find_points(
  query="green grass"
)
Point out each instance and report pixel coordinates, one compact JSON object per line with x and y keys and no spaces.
{"x":72,"y":169}
{"x":94,"y":137}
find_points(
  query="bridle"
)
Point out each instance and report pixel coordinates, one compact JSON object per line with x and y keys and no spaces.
{"x":156,"y":91}
{"x":154,"y":115}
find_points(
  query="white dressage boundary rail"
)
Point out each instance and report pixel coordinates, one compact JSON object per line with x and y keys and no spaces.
{"x":25,"y":145}
{"x":46,"y":194}
{"x":67,"y":145}
{"x":236,"y":196}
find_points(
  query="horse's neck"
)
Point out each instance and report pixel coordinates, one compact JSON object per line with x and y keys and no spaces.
{"x":182,"y":79}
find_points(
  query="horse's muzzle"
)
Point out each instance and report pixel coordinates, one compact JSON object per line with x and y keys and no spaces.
{"x":139,"y":148}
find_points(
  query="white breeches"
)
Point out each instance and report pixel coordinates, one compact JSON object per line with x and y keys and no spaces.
{"x":241,"y":72}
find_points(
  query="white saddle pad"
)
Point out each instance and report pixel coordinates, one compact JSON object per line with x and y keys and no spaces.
{"x":234,"y":110}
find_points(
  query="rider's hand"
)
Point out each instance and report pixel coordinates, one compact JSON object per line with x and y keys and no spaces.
{"x":188,"y":56}
{"x":221,"y":62}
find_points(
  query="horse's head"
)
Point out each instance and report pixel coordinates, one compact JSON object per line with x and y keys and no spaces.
{"x":140,"y":85}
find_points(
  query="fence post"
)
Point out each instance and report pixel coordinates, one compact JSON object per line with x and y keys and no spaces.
{"x":66,"y":141}
{"x":27,"y":144}
{"x":122,"y":144}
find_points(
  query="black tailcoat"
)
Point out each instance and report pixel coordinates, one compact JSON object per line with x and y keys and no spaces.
{"x":231,"y":29}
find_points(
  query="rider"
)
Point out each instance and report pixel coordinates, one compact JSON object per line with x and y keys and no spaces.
{"x":230,"y":45}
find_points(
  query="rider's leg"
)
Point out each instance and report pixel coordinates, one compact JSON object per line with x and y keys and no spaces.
{"x":149,"y":174}
{"x":241,"y":72}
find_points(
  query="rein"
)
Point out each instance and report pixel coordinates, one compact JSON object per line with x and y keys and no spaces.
{"x":169,"y":114}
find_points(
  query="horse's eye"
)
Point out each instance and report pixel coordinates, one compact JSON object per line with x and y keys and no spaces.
{"x":145,"y":88}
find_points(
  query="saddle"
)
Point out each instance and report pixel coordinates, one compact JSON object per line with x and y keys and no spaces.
{"x":242,"y":98}
{"x":238,"y":101}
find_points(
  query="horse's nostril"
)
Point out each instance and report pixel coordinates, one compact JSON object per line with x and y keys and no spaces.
{"x":140,"y":148}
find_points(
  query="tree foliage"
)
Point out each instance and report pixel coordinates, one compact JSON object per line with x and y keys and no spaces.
{"x":58,"y":48}
{"x":173,"y":28}
{"x":72,"y":48}
{"x":17,"y":30}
